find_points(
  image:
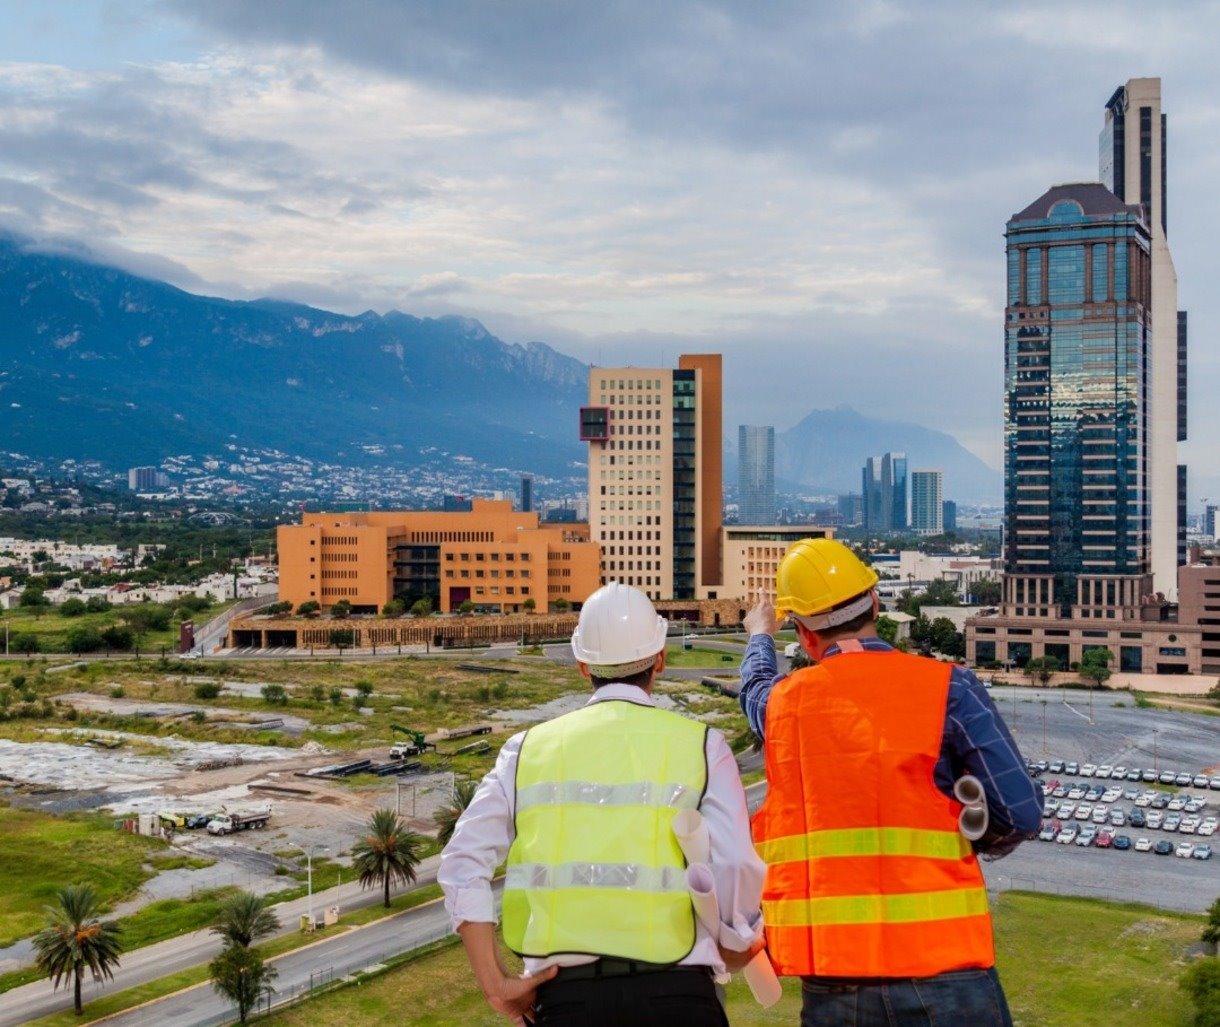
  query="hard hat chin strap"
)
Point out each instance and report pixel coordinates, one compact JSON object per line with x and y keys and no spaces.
{"x":835,"y":618}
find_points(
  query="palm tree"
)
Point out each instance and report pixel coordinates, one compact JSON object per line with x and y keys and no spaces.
{"x":243,"y":918}
{"x":240,"y":975}
{"x":446,"y":817}
{"x":75,"y":938}
{"x":389,"y":852}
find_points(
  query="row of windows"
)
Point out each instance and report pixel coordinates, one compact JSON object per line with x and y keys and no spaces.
{"x":494,"y":590}
{"x":480,"y":573}
{"x":482,"y":557}
{"x":338,"y":540}
{"x":340,"y":574}
{"x":331,"y":557}
{"x":338,"y":591}
{"x":621,"y":384}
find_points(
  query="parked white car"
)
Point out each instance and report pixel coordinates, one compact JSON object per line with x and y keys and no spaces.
{"x":1067,"y":835}
{"x":1145,"y":798}
{"x":1143,"y":844}
{"x":1185,"y":850}
{"x":1088,"y":770}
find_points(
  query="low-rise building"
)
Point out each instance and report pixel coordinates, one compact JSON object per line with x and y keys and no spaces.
{"x":498,"y":559}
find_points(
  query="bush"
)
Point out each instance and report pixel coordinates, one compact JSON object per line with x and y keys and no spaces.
{"x":1202,"y":983}
{"x":336,"y":696}
{"x":71,"y":608}
{"x":275,"y":695}
{"x":422,"y":608}
{"x":359,"y":702}
{"x":394,"y":608}
{"x":117,"y":637}
{"x":365,"y":688}
{"x":207,"y":690}
{"x":317,"y":693}
{"x":308,"y":607}
{"x":275,"y":609}
{"x":97,"y":604}
{"x":25,"y":642}
{"x":342,"y":609}
{"x":84,"y":639}
{"x":117,"y":692}
{"x":19,"y":681}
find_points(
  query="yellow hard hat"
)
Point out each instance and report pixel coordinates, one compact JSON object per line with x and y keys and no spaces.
{"x":816,"y":575}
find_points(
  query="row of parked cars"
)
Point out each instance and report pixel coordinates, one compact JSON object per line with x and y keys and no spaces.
{"x":1108,"y":838}
{"x":1166,"y":777}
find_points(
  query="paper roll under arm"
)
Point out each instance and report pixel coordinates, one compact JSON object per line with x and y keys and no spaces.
{"x":690,"y":829}
{"x":974,"y":818}
{"x":759,"y":974}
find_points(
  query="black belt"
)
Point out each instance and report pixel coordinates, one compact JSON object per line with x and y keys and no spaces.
{"x":610,"y":967}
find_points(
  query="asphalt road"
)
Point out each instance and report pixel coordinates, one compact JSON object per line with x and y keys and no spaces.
{"x":155,"y":961}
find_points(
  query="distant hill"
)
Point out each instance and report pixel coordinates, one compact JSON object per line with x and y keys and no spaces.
{"x":96,"y":363}
{"x":827,"y":449}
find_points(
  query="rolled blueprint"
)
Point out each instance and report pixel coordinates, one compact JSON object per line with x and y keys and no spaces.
{"x":968,"y":790}
{"x":759,"y":975}
{"x":690,"y":829}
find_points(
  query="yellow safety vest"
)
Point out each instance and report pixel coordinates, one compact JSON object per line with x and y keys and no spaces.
{"x":595,"y":868}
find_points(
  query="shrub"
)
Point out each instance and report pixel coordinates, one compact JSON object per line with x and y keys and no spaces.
{"x":275,"y":695}
{"x":207,"y":690}
{"x":317,"y":693}
{"x":25,"y":642}
{"x":500,"y":690}
{"x":97,"y":604}
{"x":394,"y":608}
{"x":275,"y":609}
{"x":117,"y":692}
{"x":1202,"y":983}
{"x":84,"y":639}
{"x":365,"y":688}
{"x":71,"y":608}
{"x":308,"y":607}
{"x":117,"y":637}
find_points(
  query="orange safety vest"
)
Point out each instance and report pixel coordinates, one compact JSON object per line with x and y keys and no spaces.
{"x":867,"y":872}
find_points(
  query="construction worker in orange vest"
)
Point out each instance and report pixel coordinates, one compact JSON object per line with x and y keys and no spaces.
{"x":873,"y":896}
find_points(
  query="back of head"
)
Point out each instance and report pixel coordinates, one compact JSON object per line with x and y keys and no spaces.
{"x":619,"y":633}
{"x":823,"y":584}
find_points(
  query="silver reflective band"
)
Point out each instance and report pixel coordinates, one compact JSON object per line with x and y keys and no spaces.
{"x":589,"y":793}
{"x":631,"y":876}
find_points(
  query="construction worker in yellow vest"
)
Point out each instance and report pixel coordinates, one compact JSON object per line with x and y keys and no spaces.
{"x":595,"y":894}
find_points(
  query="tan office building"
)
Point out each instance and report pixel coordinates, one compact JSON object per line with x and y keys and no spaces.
{"x":752,"y":553}
{"x":655,"y":475}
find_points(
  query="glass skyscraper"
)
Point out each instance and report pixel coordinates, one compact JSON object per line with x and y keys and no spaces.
{"x":1076,"y":426}
{"x":927,"y":502}
{"x":883,"y":485}
{"x":755,"y":474}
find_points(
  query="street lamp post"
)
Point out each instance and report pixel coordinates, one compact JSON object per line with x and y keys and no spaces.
{"x":309,"y":884}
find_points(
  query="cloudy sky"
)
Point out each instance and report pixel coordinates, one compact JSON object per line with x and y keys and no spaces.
{"x":816,"y":189}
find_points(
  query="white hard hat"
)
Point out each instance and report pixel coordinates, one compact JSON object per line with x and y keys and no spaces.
{"x":619,"y":632}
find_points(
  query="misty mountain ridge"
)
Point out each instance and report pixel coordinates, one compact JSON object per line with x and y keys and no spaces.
{"x":100,"y":364}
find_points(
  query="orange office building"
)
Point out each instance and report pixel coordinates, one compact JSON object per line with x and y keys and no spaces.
{"x":497,"y":558}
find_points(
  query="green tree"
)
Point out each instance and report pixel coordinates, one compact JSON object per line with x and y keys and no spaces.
{"x":97,"y":604}
{"x":946,"y":639}
{"x":985,"y":592}
{"x":799,"y":659}
{"x":1211,"y":932}
{"x":207,"y":690}
{"x":529,"y":605}
{"x":446,"y":817}
{"x":309,"y":607}
{"x":141,"y":618}
{"x":117,"y":637}
{"x":365,"y":688}
{"x":342,"y":638}
{"x":244,"y":917}
{"x":25,"y":642}
{"x":76,"y":939}
{"x":1095,"y":665}
{"x":342,"y":609}
{"x":83,"y":639}
{"x":389,"y":852}
{"x":71,"y":607}
{"x":466,"y":607}
{"x":1202,"y":983}
{"x":561,"y":605}
{"x":1043,"y":668}
{"x":241,"y":976}
{"x":422,"y":607}
{"x":394,"y":608}
{"x":275,"y":695}
{"x":887,"y":630}
{"x":33,"y":597}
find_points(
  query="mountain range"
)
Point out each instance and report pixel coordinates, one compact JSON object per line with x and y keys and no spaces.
{"x":100,"y":364}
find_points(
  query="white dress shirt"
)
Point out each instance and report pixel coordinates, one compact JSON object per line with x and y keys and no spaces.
{"x":485,"y":831}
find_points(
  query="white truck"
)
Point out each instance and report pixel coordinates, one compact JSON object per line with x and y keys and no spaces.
{"x":227,"y":823}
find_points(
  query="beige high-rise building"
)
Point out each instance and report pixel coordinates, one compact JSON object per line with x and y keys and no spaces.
{"x":656,"y":476}
{"x":1134,"y":166}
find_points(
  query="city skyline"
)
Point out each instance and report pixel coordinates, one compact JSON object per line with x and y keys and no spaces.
{"x":243,"y":152}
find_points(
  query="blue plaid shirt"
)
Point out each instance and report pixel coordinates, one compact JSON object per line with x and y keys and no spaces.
{"x":975,"y":741}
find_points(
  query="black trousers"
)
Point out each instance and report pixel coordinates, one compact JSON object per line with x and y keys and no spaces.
{"x":680,"y":997}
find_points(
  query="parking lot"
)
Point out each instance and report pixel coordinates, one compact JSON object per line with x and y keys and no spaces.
{"x":1063,"y":726}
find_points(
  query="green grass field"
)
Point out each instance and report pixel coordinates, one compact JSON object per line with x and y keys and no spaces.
{"x":40,"y":854}
{"x":52,"y":628}
{"x":676,"y":656}
{"x":1064,"y":962}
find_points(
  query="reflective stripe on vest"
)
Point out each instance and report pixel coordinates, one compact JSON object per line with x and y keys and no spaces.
{"x":595,"y":867}
{"x":876,"y":909}
{"x":867,"y":874}
{"x":865,"y":841}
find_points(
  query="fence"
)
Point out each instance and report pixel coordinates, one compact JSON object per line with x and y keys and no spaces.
{"x":318,"y":980}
